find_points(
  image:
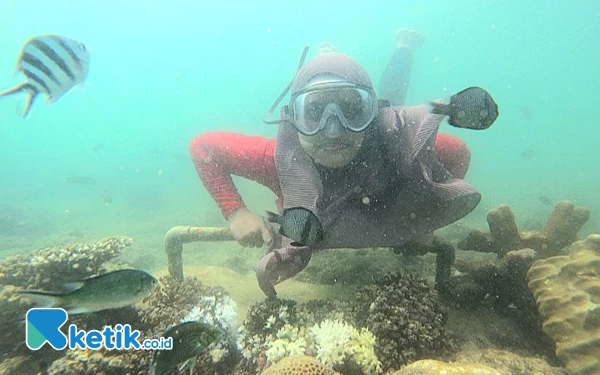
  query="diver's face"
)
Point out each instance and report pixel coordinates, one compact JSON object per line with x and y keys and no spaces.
{"x":334,"y":146}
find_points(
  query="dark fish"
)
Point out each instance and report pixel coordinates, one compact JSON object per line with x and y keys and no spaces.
{"x":189,"y":339}
{"x":300,"y":225}
{"x":107,"y":291}
{"x":528,"y":154}
{"x":472,"y":108}
{"x":52,"y":65}
{"x":545,"y":200}
{"x":81,"y":180}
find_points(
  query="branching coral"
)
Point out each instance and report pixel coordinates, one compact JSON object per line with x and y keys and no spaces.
{"x":49,"y":268}
{"x":560,"y":230}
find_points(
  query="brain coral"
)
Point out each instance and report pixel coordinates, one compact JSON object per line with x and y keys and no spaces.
{"x":567,"y":291}
{"x":299,"y":365}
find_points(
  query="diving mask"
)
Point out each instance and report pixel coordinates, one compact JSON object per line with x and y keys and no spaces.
{"x":354,"y":106}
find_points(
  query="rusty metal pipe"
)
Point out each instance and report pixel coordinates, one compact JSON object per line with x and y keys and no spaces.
{"x":177,"y":236}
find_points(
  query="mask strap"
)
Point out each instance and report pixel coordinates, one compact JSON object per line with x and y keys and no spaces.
{"x":285,"y":91}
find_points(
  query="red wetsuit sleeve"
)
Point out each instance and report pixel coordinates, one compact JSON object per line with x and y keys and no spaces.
{"x":453,"y":153}
{"x":218,"y":155}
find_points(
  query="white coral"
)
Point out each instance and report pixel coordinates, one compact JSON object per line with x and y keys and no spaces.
{"x":289,"y":342}
{"x":332,"y":338}
{"x":220,"y":312}
{"x":337,"y":342}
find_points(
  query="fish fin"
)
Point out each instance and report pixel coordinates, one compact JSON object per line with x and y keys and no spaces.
{"x":30,"y":99}
{"x":15,"y":90}
{"x":73,"y":310}
{"x":42,"y":299}
{"x":183,"y":365}
{"x":73,"y":285}
{"x":274,"y":218}
{"x":440,"y":108}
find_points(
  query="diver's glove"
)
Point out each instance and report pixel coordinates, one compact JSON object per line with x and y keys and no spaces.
{"x":281,"y":264}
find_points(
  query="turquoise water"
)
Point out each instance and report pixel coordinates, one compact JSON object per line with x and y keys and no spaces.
{"x":164,"y":72}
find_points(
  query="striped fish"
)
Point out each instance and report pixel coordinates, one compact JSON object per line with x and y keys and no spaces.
{"x":52,"y":65}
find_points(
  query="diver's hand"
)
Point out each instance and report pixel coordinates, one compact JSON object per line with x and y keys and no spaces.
{"x":249,"y":229}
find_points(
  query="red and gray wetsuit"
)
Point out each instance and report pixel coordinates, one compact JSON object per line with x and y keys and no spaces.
{"x":219,"y":155}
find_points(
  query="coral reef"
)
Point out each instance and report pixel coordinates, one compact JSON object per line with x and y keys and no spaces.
{"x":90,"y":362}
{"x":49,"y":268}
{"x":560,"y":230}
{"x":508,"y":363}
{"x":12,"y":313}
{"x":567,"y":291}
{"x":173,"y":302}
{"x":483,"y":362}
{"x":170,"y":303}
{"x":431,"y":367}
{"x":405,"y":316}
{"x":218,"y":310}
{"x":46,"y":268}
{"x":299,"y":365}
{"x":390,"y":323}
{"x":281,"y":328}
{"x":502,"y":283}
{"x":340,"y":344}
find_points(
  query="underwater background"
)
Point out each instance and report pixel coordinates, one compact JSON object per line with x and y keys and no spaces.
{"x":162,"y":73}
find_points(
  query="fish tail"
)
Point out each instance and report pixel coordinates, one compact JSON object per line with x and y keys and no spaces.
{"x":440,"y":108}
{"x":33,"y":92}
{"x":273,"y":217}
{"x":42,"y":299}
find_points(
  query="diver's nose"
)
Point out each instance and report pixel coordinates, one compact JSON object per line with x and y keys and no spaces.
{"x":333,"y":127}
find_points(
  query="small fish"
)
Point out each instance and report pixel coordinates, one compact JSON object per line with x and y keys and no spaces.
{"x":528,"y":154}
{"x":546,"y":200}
{"x":472,"y":108}
{"x":52,"y":65}
{"x":189,"y":339}
{"x":98,"y":147}
{"x":107,"y":291}
{"x":300,"y":225}
{"x":81,"y":180}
